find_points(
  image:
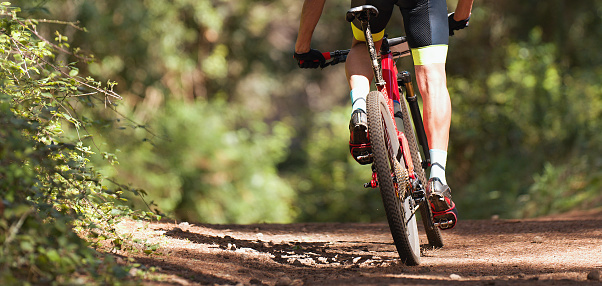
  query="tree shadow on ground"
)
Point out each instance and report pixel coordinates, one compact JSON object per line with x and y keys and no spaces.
{"x":361,"y":254}
{"x":294,"y":253}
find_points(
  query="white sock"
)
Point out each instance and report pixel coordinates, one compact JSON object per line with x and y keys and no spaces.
{"x":438,"y":161}
{"x":358,"y":99}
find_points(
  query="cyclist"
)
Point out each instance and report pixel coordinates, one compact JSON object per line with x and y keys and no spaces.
{"x":428,"y":27}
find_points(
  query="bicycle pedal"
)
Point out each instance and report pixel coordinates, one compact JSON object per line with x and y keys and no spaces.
{"x":364,"y":157}
{"x":443,"y":224}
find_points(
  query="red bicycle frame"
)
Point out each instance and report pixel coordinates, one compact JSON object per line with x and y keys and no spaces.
{"x":390,"y":91}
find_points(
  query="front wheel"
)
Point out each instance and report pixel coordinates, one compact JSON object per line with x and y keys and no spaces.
{"x":393,"y":179}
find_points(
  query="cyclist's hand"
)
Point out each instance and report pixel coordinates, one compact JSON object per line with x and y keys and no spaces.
{"x":456,"y":25}
{"x":310,"y":60}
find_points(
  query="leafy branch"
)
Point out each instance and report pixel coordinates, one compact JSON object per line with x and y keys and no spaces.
{"x":50,"y":192}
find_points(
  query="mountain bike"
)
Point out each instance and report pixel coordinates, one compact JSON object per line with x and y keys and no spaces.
{"x":398,"y":169}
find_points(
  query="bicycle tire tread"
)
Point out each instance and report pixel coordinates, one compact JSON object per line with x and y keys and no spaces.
{"x":391,"y":202}
{"x":432,"y":232}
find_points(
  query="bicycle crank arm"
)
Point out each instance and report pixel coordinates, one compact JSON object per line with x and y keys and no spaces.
{"x":419,"y":196}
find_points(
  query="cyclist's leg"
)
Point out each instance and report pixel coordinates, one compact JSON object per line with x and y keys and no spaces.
{"x":427,"y":31}
{"x":360,"y":74}
{"x":358,"y":68}
{"x":432,"y":83}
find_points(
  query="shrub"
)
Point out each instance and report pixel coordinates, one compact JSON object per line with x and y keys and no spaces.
{"x":50,"y":193}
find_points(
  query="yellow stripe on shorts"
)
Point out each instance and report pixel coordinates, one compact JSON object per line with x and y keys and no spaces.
{"x":435,"y":54}
{"x":358,"y":34}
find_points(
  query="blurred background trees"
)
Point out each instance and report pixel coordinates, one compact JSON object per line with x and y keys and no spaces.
{"x":220,"y":126}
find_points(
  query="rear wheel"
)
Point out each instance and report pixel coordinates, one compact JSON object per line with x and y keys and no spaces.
{"x":433,"y":233}
{"x":393,"y":179}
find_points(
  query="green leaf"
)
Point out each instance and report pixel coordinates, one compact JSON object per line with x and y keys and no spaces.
{"x":74,"y":72}
{"x":53,"y":255}
{"x":27,"y":246}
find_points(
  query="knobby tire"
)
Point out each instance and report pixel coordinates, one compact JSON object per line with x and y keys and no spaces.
{"x":433,"y":233}
{"x":396,"y":202}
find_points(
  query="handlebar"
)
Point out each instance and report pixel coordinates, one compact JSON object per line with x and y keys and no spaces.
{"x":340,"y":56}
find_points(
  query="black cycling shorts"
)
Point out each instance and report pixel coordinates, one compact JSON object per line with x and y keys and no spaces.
{"x":425,"y":23}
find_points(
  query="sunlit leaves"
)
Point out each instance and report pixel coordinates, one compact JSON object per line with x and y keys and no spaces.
{"x":531,"y":130}
{"x":216,"y":65}
{"x":47,"y":184}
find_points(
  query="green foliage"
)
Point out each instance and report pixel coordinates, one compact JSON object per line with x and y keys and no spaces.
{"x":47,"y":185}
{"x":210,"y":162}
{"x":574,"y":185}
{"x":527,"y":134}
{"x":329,"y":183}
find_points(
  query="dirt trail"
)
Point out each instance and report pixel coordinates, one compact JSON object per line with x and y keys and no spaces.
{"x":561,"y":250}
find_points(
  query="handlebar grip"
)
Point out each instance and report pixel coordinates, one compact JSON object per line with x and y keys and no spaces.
{"x":396,"y":41}
{"x":333,"y":58}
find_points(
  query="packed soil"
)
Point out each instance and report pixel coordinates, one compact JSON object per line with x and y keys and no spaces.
{"x":557,"y":250}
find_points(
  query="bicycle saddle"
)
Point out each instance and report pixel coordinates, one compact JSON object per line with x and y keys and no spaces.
{"x":362,"y":13}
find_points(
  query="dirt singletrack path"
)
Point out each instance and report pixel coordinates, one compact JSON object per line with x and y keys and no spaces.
{"x":558,"y":250}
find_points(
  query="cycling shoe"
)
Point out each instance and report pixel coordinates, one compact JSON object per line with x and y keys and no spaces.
{"x":359,"y":142}
{"x":445,"y":213}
